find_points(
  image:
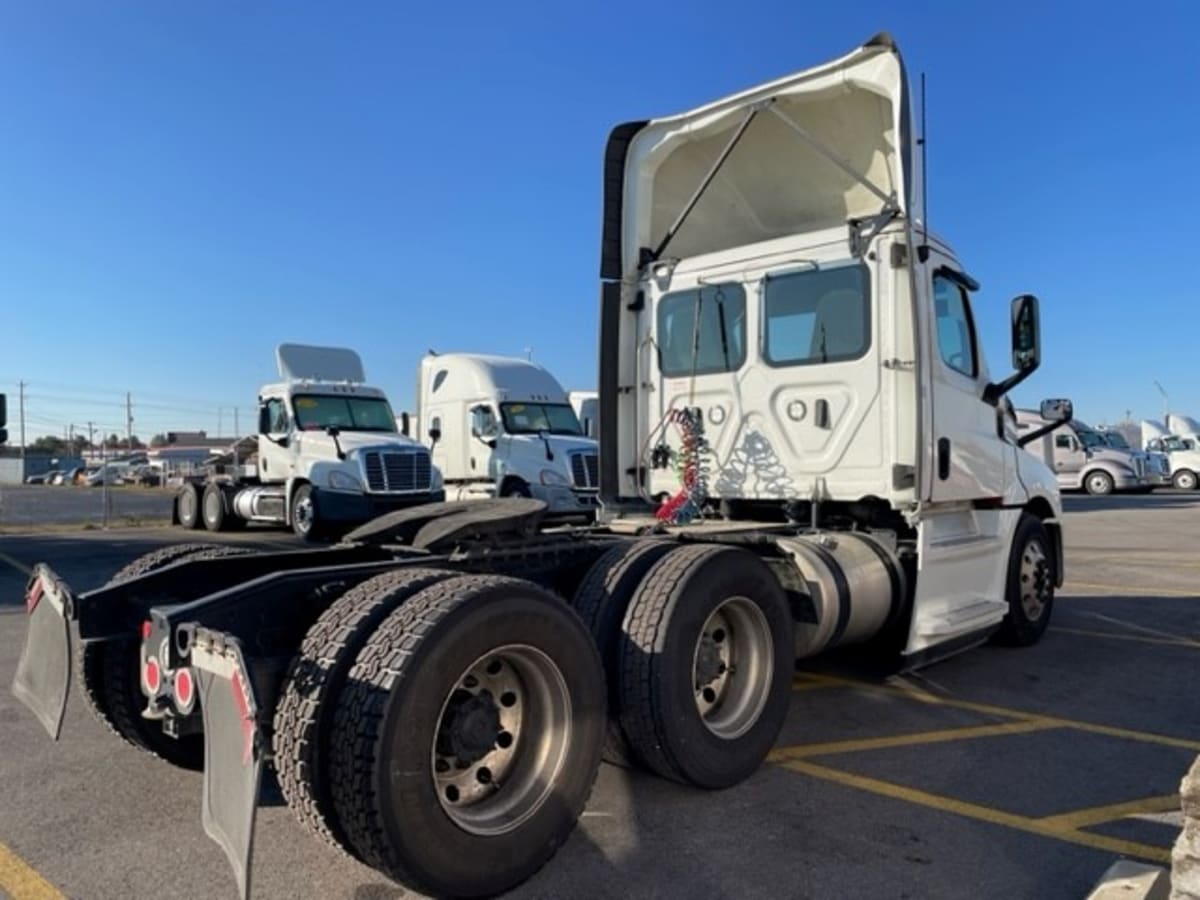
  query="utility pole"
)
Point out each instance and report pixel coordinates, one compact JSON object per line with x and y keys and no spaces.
{"x":90,"y":445}
{"x":220,"y":412}
{"x":236,"y":432}
{"x":129,"y":420}
{"x":21,"y":388}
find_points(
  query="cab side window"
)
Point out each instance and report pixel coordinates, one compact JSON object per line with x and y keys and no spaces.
{"x":955,"y":327}
{"x":1062,"y":441}
{"x":277,"y":417}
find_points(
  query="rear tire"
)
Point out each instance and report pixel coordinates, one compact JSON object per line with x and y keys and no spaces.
{"x":1029,"y":588}
{"x":1185,"y":480}
{"x":187,"y":507}
{"x":304,"y":715}
{"x":601,"y":601}
{"x":112,"y":676}
{"x":706,"y":665}
{"x":213,"y":507}
{"x":419,"y":716}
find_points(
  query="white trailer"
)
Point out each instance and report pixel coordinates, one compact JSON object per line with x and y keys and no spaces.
{"x":503,"y":427}
{"x":328,"y":455}
{"x":1182,"y":450}
{"x":587,"y":406}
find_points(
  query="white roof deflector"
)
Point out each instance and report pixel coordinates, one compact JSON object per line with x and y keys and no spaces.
{"x":827,"y":146}
{"x":302,"y":362}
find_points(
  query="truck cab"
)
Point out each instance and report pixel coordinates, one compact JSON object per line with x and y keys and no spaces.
{"x":503,"y":427}
{"x":783,"y":338}
{"x":329,"y":454}
{"x":1181,"y":446}
{"x":1084,"y":460}
{"x":587,"y":407}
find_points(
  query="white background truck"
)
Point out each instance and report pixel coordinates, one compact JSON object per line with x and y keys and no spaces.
{"x":328,"y":455}
{"x":502,"y":427}
{"x":802,"y":448}
{"x":587,"y":406}
{"x":1182,"y":451}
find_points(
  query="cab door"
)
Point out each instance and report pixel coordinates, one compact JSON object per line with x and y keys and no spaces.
{"x":1069,"y":458}
{"x":970,"y":459}
{"x":276,"y":456}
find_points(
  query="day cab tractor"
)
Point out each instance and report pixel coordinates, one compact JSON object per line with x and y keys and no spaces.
{"x":801,"y":448}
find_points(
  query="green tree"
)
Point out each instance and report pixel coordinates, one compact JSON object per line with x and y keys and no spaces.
{"x":48,"y":445}
{"x":159,"y":440}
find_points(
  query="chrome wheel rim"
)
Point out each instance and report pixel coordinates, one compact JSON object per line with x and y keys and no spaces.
{"x":501,"y":740}
{"x":1035,"y":580}
{"x":211,"y":506}
{"x":732,"y":667}
{"x":187,"y":507}
{"x":304,"y":515}
{"x":1098,"y":484}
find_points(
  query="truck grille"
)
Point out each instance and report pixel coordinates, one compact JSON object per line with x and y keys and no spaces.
{"x":397,"y":472}
{"x":585,"y":470}
{"x":1139,"y":466}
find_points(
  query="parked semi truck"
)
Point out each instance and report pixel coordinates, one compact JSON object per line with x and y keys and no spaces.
{"x":1183,"y":453}
{"x":801,"y":448}
{"x":503,"y":427}
{"x":1083,"y":460}
{"x":1157,"y":465}
{"x":327,"y":456}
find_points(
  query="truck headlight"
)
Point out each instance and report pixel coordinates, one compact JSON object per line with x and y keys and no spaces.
{"x":550,"y":476}
{"x":344,"y":481}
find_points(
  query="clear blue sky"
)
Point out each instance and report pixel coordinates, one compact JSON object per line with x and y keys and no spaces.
{"x":183,"y":186}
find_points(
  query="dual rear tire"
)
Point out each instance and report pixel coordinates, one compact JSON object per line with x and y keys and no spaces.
{"x":445,"y":729}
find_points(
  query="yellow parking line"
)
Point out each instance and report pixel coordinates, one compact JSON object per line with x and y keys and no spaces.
{"x":1097,"y":815}
{"x":1168,"y":641}
{"x":907,"y":740}
{"x":16,"y":564}
{"x":912,"y":692}
{"x":981,"y":813}
{"x":1118,"y":590}
{"x":805,"y":682}
{"x":1142,"y":561}
{"x":21,"y":882}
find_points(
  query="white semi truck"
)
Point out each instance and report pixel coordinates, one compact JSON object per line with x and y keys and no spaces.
{"x":1182,"y":450}
{"x":801,"y":448}
{"x":1084,"y":460}
{"x":327,"y":455}
{"x":503,"y":427}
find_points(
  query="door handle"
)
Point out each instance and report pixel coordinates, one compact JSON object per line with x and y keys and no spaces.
{"x":943,"y":458}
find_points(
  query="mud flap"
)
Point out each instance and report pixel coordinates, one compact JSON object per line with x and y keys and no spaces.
{"x":233,"y":751}
{"x":43,"y":677}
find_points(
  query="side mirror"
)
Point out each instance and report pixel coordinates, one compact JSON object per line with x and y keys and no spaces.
{"x":1026,"y":348}
{"x":1026,"y":333}
{"x":435,"y":435}
{"x":3,"y":412}
{"x":404,"y":424}
{"x":1055,"y":412}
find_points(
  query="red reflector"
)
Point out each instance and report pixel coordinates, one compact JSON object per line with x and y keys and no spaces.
{"x":183,"y":688}
{"x":146,"y":629}
{"x":153,"y":675}
{"x":35,"y":594}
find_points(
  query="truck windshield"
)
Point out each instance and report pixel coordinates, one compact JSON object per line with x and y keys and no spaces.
{"x":1089,"y":439}
{"x":316,"y":412}
{"x":1115,"y":440}
{"x":530,"y":418}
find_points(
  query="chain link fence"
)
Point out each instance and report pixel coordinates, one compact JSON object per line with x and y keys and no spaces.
{"x":34,"y":506}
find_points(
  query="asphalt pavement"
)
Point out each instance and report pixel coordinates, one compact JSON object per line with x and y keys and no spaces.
{"x":1002,"y":772}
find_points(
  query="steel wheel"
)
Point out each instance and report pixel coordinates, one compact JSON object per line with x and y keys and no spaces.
{"x":1035,"y":579}
{"x":732,"y":667}
{"x":303,"y":515}
{"x":1185,"y":480}
{"x":502,"y":738}
{"x":1099,"y":483}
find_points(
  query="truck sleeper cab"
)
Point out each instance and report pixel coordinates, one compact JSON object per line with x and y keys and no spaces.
{"x":1084,"y":460}
{"x":802,"y":448}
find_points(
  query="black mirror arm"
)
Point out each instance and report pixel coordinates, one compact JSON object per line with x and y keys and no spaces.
{"x":997,"y":389}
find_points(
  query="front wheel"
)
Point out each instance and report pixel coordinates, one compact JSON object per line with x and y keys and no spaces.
{"x":305,"y":517}
{"x":468,"y":736}
{"x":1030,"y":584}
{"x":1098,"y":483}
{"x":1185,"y":480}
